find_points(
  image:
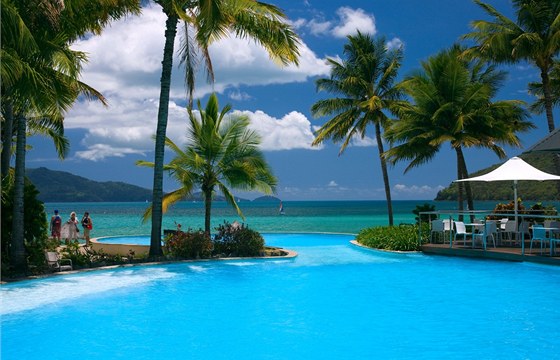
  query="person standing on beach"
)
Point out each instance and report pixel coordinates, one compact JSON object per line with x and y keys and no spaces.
{"x":87,"y":224}
{"x":73,"y":231}
{"x":56,"y":225}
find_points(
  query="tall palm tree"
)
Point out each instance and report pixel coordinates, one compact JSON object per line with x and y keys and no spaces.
{"x":221,"y":154}
{"x":453,"y":103}
{"x":532,"y":36}
{"x":42,"y":80}
{"x":363,"y":83}
{"x":205,"y":22}
{"x":536,"y":89}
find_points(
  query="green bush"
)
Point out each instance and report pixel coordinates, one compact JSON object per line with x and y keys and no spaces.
{"x":188,"y":245}
{"x":395,"y":238}
{"x":35,"y":224}
{"x":237,"y":240}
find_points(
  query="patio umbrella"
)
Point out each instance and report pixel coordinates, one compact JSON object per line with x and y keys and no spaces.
{"x":514,"y":169}
{"x":550,"y":143}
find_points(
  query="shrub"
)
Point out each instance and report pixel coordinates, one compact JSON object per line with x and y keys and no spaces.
{"x":86,"y":257}
{"x":397,"y":238}
{"x":237,"y":240}
{"x":188,"y":245}
{"x":35,"y":223}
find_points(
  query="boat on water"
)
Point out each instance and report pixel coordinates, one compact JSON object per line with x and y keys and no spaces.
{"x":281,"y":209}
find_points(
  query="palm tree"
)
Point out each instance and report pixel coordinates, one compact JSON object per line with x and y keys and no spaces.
{"x":208,"y":21}
{"x":452,"y":103}
{"x":364,"y":83}
{"x":221,"y":153}
{"x":42,"y":82}
{"x":532,"y":37}
{"x":536,"y":89}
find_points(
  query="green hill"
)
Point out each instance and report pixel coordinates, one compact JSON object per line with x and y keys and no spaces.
{"x":503,"y":190}
{"x":60,"y":186}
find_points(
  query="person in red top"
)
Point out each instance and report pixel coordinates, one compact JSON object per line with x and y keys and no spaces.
{"x":56,"y":225}
{"x":87,"y":224}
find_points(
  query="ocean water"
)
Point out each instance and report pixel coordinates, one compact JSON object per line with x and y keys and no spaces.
{"x":125,"y":218}
{"x":300,"y":216}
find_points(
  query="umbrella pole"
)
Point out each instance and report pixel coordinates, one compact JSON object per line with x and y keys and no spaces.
{"x":516,"y":220}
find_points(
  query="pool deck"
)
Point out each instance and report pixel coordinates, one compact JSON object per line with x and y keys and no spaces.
{"x":507,"y":253}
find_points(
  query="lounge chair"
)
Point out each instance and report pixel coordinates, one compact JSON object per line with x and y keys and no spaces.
{"x":56,"y":263}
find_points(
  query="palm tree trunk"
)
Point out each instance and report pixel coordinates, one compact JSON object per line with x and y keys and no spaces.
{"x":547,"y":99}
{"x":465,"y":174}
{"x":7,"y":134}
{"x":385,"y":173}
{"x":459,"y":153}
{"x":207,"y":211}
{"x":17,"y":250}
{"x":163,"y":110}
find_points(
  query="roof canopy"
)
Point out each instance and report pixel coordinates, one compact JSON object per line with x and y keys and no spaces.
{"x":550,"y":143}
{"x":514,"y":169}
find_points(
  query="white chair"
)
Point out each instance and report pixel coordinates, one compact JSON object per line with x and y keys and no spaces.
{"x":503,"y":223}
{"x":490,"y":230}
{"x":447,"y":228}
{"x":56,"y":263}
{"x":437,"y":229}
{"x":461,"y":230}
{"x":509,"y":231}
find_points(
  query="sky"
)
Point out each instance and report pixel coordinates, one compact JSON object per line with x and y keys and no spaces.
{"x":125,"y":65}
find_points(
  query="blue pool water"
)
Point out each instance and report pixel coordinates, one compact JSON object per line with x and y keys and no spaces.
{"x":334,"y":301}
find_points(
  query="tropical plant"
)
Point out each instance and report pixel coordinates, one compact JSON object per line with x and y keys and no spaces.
{"x":394,"y":238}
{"x":452,"y":103}
{"x":237,"y":240}
{"x":205,"y":22}
{"x":425,"y":208}
{"x":41,"y":80}
{"x":190,"y":244}
{"x":532,"y":36}
{"x":363,"y":83}
{"x":35,"y":223}
{"x":536,"y":89}
{"x":221,"y":153}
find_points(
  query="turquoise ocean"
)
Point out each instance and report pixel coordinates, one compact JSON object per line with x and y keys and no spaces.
{"x":125,"y":218}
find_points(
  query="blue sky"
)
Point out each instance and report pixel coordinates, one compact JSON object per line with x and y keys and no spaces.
{"x":125,"y":65}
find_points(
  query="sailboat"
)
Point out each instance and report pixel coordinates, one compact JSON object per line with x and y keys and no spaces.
{"x":281,"y":209}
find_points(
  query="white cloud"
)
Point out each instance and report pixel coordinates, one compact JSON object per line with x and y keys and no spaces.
{"x":99,"y":152}
{"x":366,"y":141}
{"x":332,"y":183}
{"x":395,"y":43}
{"x":125,"y":65}
{"x":239,"y":95}
{"x":292,"y":131}
{"x":352,"y":20}
{"x":318,"y":28}
{"x":416,"y":189}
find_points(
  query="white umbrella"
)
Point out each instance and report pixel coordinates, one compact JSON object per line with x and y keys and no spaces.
{"x":514,"y":169}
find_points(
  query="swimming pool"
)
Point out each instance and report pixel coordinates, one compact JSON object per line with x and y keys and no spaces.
{"x":334,"y":301}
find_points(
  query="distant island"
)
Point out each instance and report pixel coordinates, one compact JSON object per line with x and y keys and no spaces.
{"x":62,"y":186}
{"x":267,"y":198}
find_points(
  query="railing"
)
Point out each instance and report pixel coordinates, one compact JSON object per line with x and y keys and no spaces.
{"x":527,"y":216}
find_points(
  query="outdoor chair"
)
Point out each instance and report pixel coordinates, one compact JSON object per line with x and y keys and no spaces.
{"x":490,"y":230}
{"x":554,"y":236}
{"x":539,"y":234}
{"x":524,"y":230}
{"x":503,"y":223}
{"x":437,"y":229}
{"x":461,"y":230}
{"x":56,"y":263}
{"x":509,"y":232}
{"x":447,"y":228}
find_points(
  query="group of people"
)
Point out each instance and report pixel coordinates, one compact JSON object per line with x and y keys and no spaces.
{"x":70,"y":231}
